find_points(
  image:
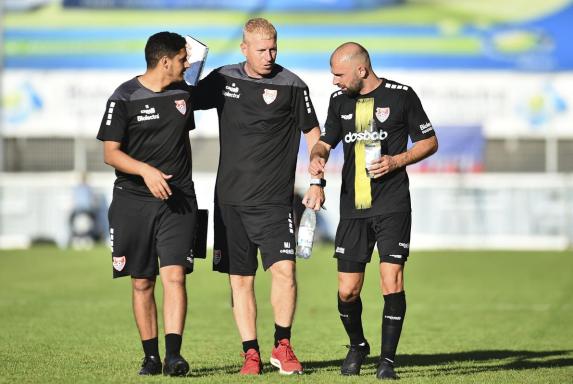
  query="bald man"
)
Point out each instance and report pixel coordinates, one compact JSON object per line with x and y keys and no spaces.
{"x":262,"y":108}
{"x":374,"y":196}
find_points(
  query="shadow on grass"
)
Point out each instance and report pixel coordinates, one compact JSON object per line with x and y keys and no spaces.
{"x":456,"y":363}
{"x":460,"y":363}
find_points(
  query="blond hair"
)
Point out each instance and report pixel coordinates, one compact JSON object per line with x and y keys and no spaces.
{"x":261,"y":27}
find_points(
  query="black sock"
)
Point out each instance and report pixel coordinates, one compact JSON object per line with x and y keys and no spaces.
{"x":151,"y":347}
{"x":392,"y":320}
{"x":351,"y":317}
{"x":250,"y":344}
{"x":281,"y":333}
{"x":172,"y":344}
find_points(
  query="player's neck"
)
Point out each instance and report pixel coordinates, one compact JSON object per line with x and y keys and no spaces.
{"x":153,"y":81}
{"x":370,"y":83}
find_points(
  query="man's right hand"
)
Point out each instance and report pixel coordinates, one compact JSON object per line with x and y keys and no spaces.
{"x":156,"y":181}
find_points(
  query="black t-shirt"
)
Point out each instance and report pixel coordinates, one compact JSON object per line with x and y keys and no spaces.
{"x":152,"y":127}
{"x":259,"y":132}
{"x":398,"y":113}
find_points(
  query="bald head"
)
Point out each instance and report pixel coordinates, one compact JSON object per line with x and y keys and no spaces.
{"x":351,"y":52}
{"x":352,"y":70}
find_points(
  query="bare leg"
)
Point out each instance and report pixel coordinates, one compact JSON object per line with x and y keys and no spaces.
{"x":391,"y":278}
{"x":144,"y":308}
{"x":283,"y":292}
{"x":174,"y":298}
{"x":244,"y":305}
{"x":350,"y":285}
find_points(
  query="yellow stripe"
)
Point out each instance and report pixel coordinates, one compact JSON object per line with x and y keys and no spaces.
{"x":362,"y":191}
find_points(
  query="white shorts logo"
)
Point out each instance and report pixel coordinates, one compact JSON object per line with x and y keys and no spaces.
{"x":269,"y":95}
{"x":339,"y":250}
{"x":119,"y":263}
{"x":217,"y":256}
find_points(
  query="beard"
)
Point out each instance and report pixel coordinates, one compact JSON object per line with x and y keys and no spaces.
{"x":353,"y":89}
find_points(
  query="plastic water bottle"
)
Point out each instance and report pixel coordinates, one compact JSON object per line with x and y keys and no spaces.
{"x":306,"y":234}
{"x":372,"y":146}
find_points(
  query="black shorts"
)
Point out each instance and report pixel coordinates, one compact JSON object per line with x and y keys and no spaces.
{"x":355,"y":239}
{"x":241,"y":231}
{"x":144,"y":229}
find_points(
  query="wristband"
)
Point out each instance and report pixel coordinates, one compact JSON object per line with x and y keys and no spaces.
{"x":320,"y":182}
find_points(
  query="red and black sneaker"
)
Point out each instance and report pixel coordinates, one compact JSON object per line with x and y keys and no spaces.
{"x":284,"y":359}
{"x":252,"y":364}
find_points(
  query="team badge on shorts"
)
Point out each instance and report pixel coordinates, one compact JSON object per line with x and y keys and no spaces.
{"x":119,"y":263}
{"x":216,"y":256}
{"x":269,"y":95}
{"x":181,"y":106}
{"x":382,"y":114}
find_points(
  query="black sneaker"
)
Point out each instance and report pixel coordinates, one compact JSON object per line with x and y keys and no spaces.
{"x":385,"y":371}
{"x":175,"y":366}
{"x":151,"y":365}
{"x":354,"y":359}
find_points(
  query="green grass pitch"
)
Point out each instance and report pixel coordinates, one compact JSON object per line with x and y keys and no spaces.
{"x":473,"y":317}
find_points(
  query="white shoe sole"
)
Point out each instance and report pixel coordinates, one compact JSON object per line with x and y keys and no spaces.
{"x":277,"y":364}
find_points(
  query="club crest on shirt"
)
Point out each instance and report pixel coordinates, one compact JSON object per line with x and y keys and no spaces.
{"x":269,"y":95}
{"x":181,"y":106}
{"x":119,"y":263}
{"x":382,"y":114}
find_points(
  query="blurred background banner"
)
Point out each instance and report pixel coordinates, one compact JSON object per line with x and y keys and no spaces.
{"x":495,"y":77}
{"x":245,"y":5}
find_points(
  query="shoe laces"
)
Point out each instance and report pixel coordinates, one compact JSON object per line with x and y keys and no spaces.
{"x":287,"y":351}
{"x":146,"y":361}
{"x":253,"y":356}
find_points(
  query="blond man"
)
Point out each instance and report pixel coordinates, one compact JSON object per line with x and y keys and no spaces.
{"x":262,"y":108}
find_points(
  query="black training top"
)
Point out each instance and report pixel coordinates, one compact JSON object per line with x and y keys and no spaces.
{"x":259,"y":132}
{"x":152,"y":127}
{"x":398,"y":113}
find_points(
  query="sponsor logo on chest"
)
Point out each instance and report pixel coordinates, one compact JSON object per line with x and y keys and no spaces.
{"x":269,"y":95}
{"x":231,"y":91}
{"x":148,"y":113}
{"x":351,"y":137}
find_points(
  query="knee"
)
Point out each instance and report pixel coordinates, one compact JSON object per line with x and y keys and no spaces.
{"x":284,"y":272}
{"x":348,"y":293}
{"x":390,"y":286}
{"x":173,"y":275}
{"x":143,"y":286}
{"x":242,"y":283}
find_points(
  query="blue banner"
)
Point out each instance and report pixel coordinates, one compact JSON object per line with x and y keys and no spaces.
{"x":246,"y":5}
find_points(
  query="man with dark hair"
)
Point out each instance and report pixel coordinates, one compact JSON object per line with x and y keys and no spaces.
{"x":262,"y":109}
{"x":145,"y":130}
{"x":374,"y":197}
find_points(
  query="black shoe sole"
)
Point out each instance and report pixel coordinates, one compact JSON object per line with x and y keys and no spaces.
{"x":350,"y":373}
{"x":179,"y":369}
